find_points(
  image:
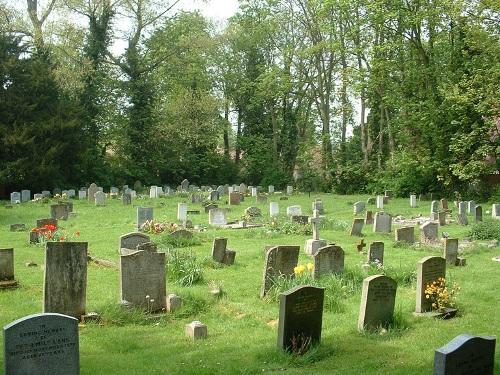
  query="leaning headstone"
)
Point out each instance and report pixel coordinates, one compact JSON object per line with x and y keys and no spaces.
{"x":377,"y":302}
{"x":382,"y":222}
{"x":357,"y":227}
{"x":217,"y":216}
{"x":376,"y":252}
{"x":7,"y":269}
{"x":466,"y":355}
{"x":144,"y":214}
{"x":405,"y":234}
{"x":479,"y":214}
{"x":328,"y":260}
{"x":15,"y":197}
{"x":25,"y":195}
{"x":142,"y":280}
{"x":358,"y":207}
{"x":274,"y":209}
{"x":380,"y":201}
{"x":100,"y":198}
{"x":42,"y":344}
{"x":369,"y":217}
{"x":182,"y":212}
{"x":312,"y":245}
{"x":280,"y":261}
{"x":300,"y":318}
{"x":450,"y":252}
{"x":429,"y":232}
{"x":210,"y":207}
{"x":59,"y":211}
{"x":413,"y":201}
{"x":234,"y":198}
{"x":128,"y":242}
{"x":65,"y":281}
{"x":294,"y":211}
{"x":429,"y":269}
{"x":91,"y":191}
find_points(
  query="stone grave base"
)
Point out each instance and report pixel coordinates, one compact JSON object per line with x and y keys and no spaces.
{"x":448,"y":313}
{"x":312,"y":246}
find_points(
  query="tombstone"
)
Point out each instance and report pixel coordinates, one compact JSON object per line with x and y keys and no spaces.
{"x":371,"y":200}
{"x":196,"y":198}
{"x":185,"y":185}
{"x":450,"y":252}
{"x":153,"y":192}
{"x":142,"y":280}
{"x":382,"y":222}
{"x":7,"y":269}
{"x":59,"y":211}
{"x":37,"y":197}
{"x":65,"y":280}
{"x":129,"y":242}
{"x":471,"y":207}
{"x":234,"y":198}
{"x":25,"y":195}
{"x":42,"y":344}
{"x":274,"y":209}
{"x":300,"y":219}
{"x":210,"y":207}
{"x":182,"y":212}
{"x":217,"y":216}
{"x":270,"y":189}
{"x":114,"y":190}
{"x":358,"y":207}
{"x":46,"y":193}
{"x":82,"y":194}
{"x":196,"y":330}
{"x":377,"y":302}
{"x":91,"y":191}
{"x":466,"y":355}
{"x":214,"y":195}
{"x":243,"y":188}
{"x":442,"y":218}
{"x":495,"y":211}
{"x":462,"y":208}
{"x":300,"y":318}
{"x":144,"y":214}
{"x":100,"y":198}
{"x":137,"y":185}
{"x":182,"y":233}
{"x":294,"y":211}
{"x":444,"y":204}
{"x":413,"y":201}
{"x":376,"y":252}
{"x":328,"y":260}
{"x":126,"y":199}
{"x":159,"y":192}
{"x":479,"y":214}
{"x":220,"y":253}
{"x":261,"y":199}
{"x":57,"y":191}
{"x":254,"y":191}
{"x":380,"y":201}
{"x":405,"y":234}
{"x":462,"y":219}
{"x":15,"y":197}
{"x":280,"y":260}
{"x":174,"y":303}
{"x":434,"y":210}
{"x":312,"y":245}
{"x":429,"y":232}
{"x":429,"y":269}
{"x":220,"y":190}
{"x":40,"y":223}
{"x":369,"y":217}
{"x":357,"y":227}
{"x":318,"y":205}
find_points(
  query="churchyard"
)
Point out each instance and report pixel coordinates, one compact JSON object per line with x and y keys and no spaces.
{"x":240,"y":283}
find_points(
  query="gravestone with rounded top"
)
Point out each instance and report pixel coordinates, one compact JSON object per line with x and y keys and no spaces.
{"x":100,"y":198}
{"x":328,"y":260}
{"x":15,"y":197}
{"x":378,"y":297}
{"x":429,"y":269}
{"x":279,"y":261}
{"x":91,"y":191}
{"x":217,"y":216}
{"x":358,"y":207}
{"x":128,"y":242}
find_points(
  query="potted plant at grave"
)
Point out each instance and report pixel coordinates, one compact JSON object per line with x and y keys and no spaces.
{"x":441,"y":298}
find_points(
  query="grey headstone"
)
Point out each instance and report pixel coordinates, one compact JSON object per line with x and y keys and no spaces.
{"x":185,"y":185}
{"x":217,"y":216}
{"x":442,"y":218}
{"x":182,"y":212}
{"x":429,"y":232}
{"x":91,"y":191}
{"x":219,"y":249}
{"x":328,"y":260}
{"x":82,"y":194}
{"x":59,"y":211}
{"x":429,"y":269}
{"x":25,"y":195}
{"x":15,"y":197}
{"x":210,"y":207}
{"x":357,"y":227}
{"x":280,"y":260}
{"x":382,"y":222}
{"x":128,"y":242}
{"x":479,"y":214}
{"x":450,"y":252}
{"x":127,"y":199}
{"x":377,"y":302}
{"x":376,"y":252}
{"x":405,"y":234}
{"x":144,"y":214}
{"x":358,"y":207}
{"x":100,"y":198}
{"x":6,"y":264}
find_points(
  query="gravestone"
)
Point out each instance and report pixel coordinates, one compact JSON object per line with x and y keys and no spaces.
{"x":182,"y":212}
{"x":462,"y":219}
{"x":429,"y":232}
{"x":182,"y":233}
{"x":217,"y":216}
{"x":434,"y":210}
{"x":380,"y":201}
{"x":294,"y":211}
{"x":300,"y":318}
{"x":46,"y":193}
{"x":159,"y":191}
{"x":196,"y":330}
{"x":318,"y":205}
{"x":462,"y":208}
{"x":184,"y":185}
{"x":442,"y":218}
{"x":128,"y":242}
{"x":376,"y":252}
{"x":214,"y":195}
{"x":137,"y":185}
{"x":450,"y":252}
{"x":59,"y":211}
{"x":405,"y":234}
{"x":65,"y":279}
{"x":495,"y":211}
{"x":413,"y":201}
{"x":377,"y":302}
{"x":357,"y":227}
{"x":429,"y":269}
{"x":153,"y":192}
{"x":196,"y":198}
{"x":40,"y":223}
{"x":25,"y":195}
{"x":144,"y":214}
{"x":220,"y":252}
{"x":42,"y":344}
{"x":210,"y":207}
{"x":479,"y":214}
{"x":369,"y":217}
{"x":327,"y":260}
{"x":82,"y":194}
{"x":444,"y":204}
{"x":280,"y":260}
{"x":230,"y":190}
{"x":254,"y":191}
{"x":471,"y":207}
{"x":312,"y":245}
{"x":270,"y":189}
{"x":126,"y":199}
{"x":261,"y":199}
{"x":289,"y":190}
{"x":100,"y":198}
{"x":7,"y":269}
{"x":37,"y":196}
{"x":466,"y":355}
{"x":142,"y":280}
{"x":234,"y":198}
{"x":91,"y":191}
{"x":243,"y":188}
{"x":274,"y":209}
{"x":382,"y":222}
{"x":114,"y":190}
{"x":15,"y":197}
{"x":358,"y":207}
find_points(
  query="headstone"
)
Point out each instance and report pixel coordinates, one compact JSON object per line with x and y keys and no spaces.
{"x":126,"y":199}
{"x":413,"y":201}
{"x":444,"y":204}
{"x":495,"y":211}
{"x":214,"y":195}
{"x":196,"y":330}
{"x":42,"y":344}
{"x":376,"y":252}
{"x":219,"y":249}
{"x":300,"y":318}
{"x":358,"y":207}
{"x":137,"y":185}
{"x":369,"y":217}
{"x":7,"y":269}
{"x":479,"y":214}
{"x":450,"y":252}
{"x":261,"y":199}
{"x":25,"y":195}
{"x":429,"y":269}
{"x":434,"y":210}
{"x":274,"y":209}
{"x":270,"y":189}
{"x":46,"y":193}
{"x":159,"y":192}
{"x":57,"y":191}
{"x":174,"y":303}
{"x":185,"y":185}
{"x":405,"y":234}
{"x":377,"y":302}
{"x":429,"y":232}
{"x":471,"y":207}
{"x":100,"y":198}
{"x":65,"y":281}
{"x":254,"y":192}
{"x":357,"y":227}
{"x":312,"y":245}
{"x":37,"y":196}
{"x":91,"y":191}
{"x":462,"y":219}
{"x":153,"y":192}
{"x":380,"y":201}
{"x":466,"y":355}
{"x":294,"y":211}
{"x":128,"y":242}
{"x":40,"y":223}
{"x":442,"y":218}
{"x":327,"y":260}
{"x":82,"y":194}
{"x":144,"y":214}
{"x":142,"y":280}
{"x":462,"y":208}
{"x":182,"y":212}
{"x":243,"y":188}
{"x":280,"y":260}
{"x":15,"y":197}
{"x":196,"y":198}
{"x":114,"y":190}
{"x":217,"y":216}
{"x":382,"y":222}
{"x":210,"y":207}
{"x":234,"y":198}
{"x":59,"y":211}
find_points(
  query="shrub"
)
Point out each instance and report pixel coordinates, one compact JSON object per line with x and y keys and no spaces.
{"x":183,"y":268}
{"x":486,"y":230}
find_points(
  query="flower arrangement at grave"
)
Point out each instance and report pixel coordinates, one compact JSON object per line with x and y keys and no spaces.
{"x":154,"y":227}
{"x":52,"y":233}
{"x":61,"y":198}
{"x":279,"y":226}
{"x":440,"y":296}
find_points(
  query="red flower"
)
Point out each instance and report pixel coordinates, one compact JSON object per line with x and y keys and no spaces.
{"x":61,"y":238}
{"x":50,"y":227}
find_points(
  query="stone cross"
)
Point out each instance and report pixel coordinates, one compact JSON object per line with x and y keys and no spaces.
{"x":315,"y":220}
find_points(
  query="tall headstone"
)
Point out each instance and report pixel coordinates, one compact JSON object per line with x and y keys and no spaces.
{"x":65,"y":280}
{"x":300,"y":318}
{"x":270,"y":189}
{"x":328,"y":260}
{"x":185,"y":185}
{"x":100,"y":198}
{"x":442,"y":218}
{"x":7,"y":269}
{"x":254,"y":191}
{"x":462,"y":208}
{"x":219,"y":249}
{"x":376,"y":252}
{"x":413,"y":201}
{"x":182,"y":212}
{"x":429,"y":232}
{"x":312,"y":245}
{"x":357,"y":227}
{"x":380,"y":201}
{"x":405,"y":234}
{"x":25,"y":195}
{"x":471,"y":207}
{"x":82,"y":194}
{"x":280,"y":260}
{"x":144,"y":214}
{"x":377,"y":302}
{"x":42,"y":344}
{"x":382,"y":222}
{"x":466,"y":355}
{"x":358,"y":207}
{"x":450,"y":252}
{"x":429,"y":269}
{"x":495,"y":211}
{"x":127,"y":199}
{"x":434,"y":210}
{"x":217,"y":216}
{"x":128,"y":242}
{"x":91,"y":191}
{"x":153,"y":192}
{"x":479,"y":214}
{"x":274,"y":209}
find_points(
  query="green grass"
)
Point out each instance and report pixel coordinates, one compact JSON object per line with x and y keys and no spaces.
{"x":242,"y":328}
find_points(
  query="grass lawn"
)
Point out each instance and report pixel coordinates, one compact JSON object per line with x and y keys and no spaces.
{"x":242,"y":328}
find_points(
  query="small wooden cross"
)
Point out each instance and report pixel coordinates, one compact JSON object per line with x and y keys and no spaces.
{"x":360,"y":245}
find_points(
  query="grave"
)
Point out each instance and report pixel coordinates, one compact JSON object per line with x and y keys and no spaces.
{"x":181,"y":233}
{"x":217,"y":216}
{"x":413,"y":201}
{"x":429,"y":232}
{"x":289,"y":190}
{"x":444,"y":204}
{"x":376,"y":252}
{"x":220,"y":253}
{"x":479,"y":214}
{"x":380,"y":201}
{"x":382,"y":222}
{"x":234,"y":199}
{"x":279,"y":260}
{"x":434,"y":210}
{"x":144,"y":214}
{"x":274,"y":209}
{"x":184,"y":185}
{"x":358,"y":207}
{"x":91,"y":191}
{"x":312,"y":245}
{"x":25,"y":195}
{"x":405,"y":234}
{"x":442,"y":218}
{"x":450,"y":252}
{"x":17,"y":227}
{"x":214,"y":195}
{"x":357,"y":227}
{"x":128,"y":242}
{"x":378,"y":297}
{"x":100,"y":198}
{"x":59,"y":211}
{"x":196,"y":330}
{"x":153,"y":192}
{"x":127,"y":199}
{"x":182,"y":212}
{"x":270,"y":189}
{"x":294,"y":211}
{"x":318,"y":205}
{"x":261,"y":199}
{"x":210,"y":207}
{"x":429,"y":269}
{"x":471,"y":207}
{"x":495,"y":211}
{"x":327,"y":260}
{"x":7,"y":269}
{"x":15,"y":197}
{"x":369,"y":217}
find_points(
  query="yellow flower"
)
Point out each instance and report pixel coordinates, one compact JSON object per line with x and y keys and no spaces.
{"x":310,"y":266}
{"x":299,"y":269}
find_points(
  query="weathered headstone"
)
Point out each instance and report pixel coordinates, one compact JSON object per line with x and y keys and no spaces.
{"x":442,"y":218}
{"x":429,"y":232}
{"x":369,"y":217}
{"x":153,"y":192}
{"x":59,"y":211}
{"x":300,"y":318}
{"x":471,"y":207}
{"x":466,"y":355}
{"x":128,"y":242}
{"x":294,"y":211}
{"x":25,"y":195}
{"x":234,"y":198}
{"x":357,"y":227}
{"x":144,"y":214}
{"x":254,"y":191}
{"x":42,"y":344}
{"x":289,"y":190}
{"x":214,"y":195}
{"x":7,"y":269}
{"x":376,"y":252}
{"x":377,"y":302}
{"x":450,"y":252}
{"x":91,"y":191}
{"x":274,"y":209}
{"x":380,"y":201}
{"x":82,"y":194}
{"x":405,"y":234}
{"x":495,"y":211}
{"x":217,"y":216}
{"x":327,"y":260}
{"x":15,"y":197}
{"x":429,"y":269}
{"x":100,"y":198}
{"x":65,"y":280}
{"x":312,"y":245}
{"x":196,"y":198}
{"x":358,"y":207}
{"x":142,"y":280}
{"x":126,"y":199}
{"x":219,"y":249}
{"x":280,"y":260}
{"x":444,"y":204}
{"x":462,"y":219}
{"x":413,"y":201}
{"x":434,"y":210}
{"x":185,"y":185}
{"x":462,"y":208}
{"x":382,"y":222}
{"x":196,"y":330}
{"x":182,"y":212}
{"x":243,"y":188}
{"x":479,"y":214}
{"x":270,"y":189}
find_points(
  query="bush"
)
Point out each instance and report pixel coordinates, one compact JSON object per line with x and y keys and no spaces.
{"x":486,"y":230}
{"x":183,"y":268}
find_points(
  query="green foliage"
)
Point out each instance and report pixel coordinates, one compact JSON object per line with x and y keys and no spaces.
{"x":183,"y":268}
{"x":486,"y":230}
{"x":284,"y":225}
